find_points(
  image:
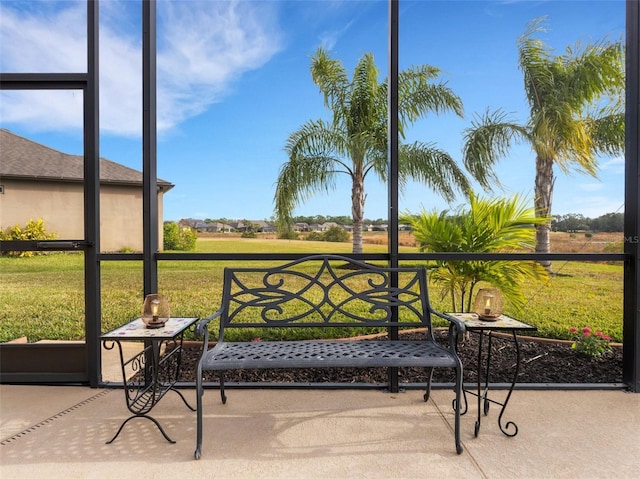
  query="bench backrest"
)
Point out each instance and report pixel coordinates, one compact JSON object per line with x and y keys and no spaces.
{"x":325,"y":291}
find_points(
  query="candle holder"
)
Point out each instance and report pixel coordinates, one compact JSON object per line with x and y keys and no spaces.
{"x":488,"y":304}
{"x":155,"y":311}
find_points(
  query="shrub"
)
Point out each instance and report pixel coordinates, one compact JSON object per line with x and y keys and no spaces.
{"x":288,"y":235}
{"x":499,"y":225}
{"x":335,"y":234}
{"x":615,"y":247}
{"x":177,"y":238}
{"x":34,"y":230}
{"x":315,"y":236}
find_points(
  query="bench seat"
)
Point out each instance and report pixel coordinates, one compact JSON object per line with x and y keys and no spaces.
{"x":321,"y":353}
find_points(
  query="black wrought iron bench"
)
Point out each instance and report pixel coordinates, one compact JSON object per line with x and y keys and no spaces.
{"x":326,"y":291}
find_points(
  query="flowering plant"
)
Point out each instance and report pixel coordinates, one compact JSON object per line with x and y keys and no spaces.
{"x":593,"y":344}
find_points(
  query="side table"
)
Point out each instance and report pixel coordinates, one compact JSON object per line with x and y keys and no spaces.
{"x":483,"y":328}
{"x":156,"y":367}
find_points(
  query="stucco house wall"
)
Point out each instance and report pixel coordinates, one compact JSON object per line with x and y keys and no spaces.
{"x":30,"y":192}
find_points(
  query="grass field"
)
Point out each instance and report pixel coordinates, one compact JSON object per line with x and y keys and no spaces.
{"x":43,"y":297}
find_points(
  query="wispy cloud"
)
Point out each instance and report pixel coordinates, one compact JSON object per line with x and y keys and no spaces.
{"x":591,"y":186}
{"x":615,"y":165}
{"x":329,"y":38}
{"x":593,"y":206}
{"x":203,"y":47}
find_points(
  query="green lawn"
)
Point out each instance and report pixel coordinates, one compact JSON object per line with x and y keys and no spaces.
{"x":43,"y":297}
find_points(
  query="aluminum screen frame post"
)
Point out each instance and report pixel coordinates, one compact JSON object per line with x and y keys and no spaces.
{"x":631,"y":321}
{"x":392,"y":155}
{"x":149,"y":148}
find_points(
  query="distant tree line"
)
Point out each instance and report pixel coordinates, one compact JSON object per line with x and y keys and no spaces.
{"x":314,"y":219}
{"x":341,"y":220}
{"x":572,"y":222}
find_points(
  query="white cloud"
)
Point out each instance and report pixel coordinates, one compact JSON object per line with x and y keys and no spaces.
{"x":591,"y":186}
{"x":590,"y":205}
{"x":329,"y":38}
{"x":616,"y":165}
{"x":202,"y":49}
{"x":44,"y":40}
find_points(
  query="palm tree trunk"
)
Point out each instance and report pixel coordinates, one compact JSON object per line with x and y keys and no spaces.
{"x":357,"y":210}
{"x":544,"y":193}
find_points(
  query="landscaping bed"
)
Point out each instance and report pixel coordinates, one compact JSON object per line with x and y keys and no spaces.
{"x":541,"y":362}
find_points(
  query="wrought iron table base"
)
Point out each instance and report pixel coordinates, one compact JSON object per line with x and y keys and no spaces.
{"x":155,"y":421}
{"x":155,"y":374}
{"x":482,"y":393}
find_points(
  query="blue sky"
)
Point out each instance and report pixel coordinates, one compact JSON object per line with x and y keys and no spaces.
{"x":234,"y":82}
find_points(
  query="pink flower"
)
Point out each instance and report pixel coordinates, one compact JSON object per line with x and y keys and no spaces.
{"x":256,"y":340}
{"x":590,"y":342}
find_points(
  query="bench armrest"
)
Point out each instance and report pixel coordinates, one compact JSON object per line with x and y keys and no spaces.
{"x":458,"y":323}
{"x":456,"y":329}
{"x":202,"y":326}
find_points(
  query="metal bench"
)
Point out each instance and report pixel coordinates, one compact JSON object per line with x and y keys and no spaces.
{"x":326,"y":291}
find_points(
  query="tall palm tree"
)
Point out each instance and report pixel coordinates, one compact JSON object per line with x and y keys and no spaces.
{"x":576,"y":112}
{"x":354,"y":143}
{"x":500,"y":225}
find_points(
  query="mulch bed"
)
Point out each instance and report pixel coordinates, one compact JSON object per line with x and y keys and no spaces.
{"x":541,"y":362}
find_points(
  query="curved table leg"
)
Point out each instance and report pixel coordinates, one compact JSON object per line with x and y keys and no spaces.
{"x":509,"y":424}
{"x":482,"y":394}
{"x":184,"y":400}
{"x":509,"y":428}
{"x":145,"y":417}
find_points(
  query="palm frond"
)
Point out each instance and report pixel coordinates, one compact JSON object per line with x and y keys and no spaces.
{"x":432,"y":166}
{"x":607,"y":131}
{"x":316,"y":154}
{"x":489,"y":139}
{"x":533,"y":59}
{"x":299,"y":179}
{"x":593,"y":72}
{"x":317,"y":139}
{"x":363,"y":107}
{"x":331,"y":78}
{"x":417,"y":97}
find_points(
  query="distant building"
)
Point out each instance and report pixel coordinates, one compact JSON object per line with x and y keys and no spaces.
{"x":301,"y":226}
{"x":39,"y":182}
{"x":259,"y":226}
{"x":208,"y":226}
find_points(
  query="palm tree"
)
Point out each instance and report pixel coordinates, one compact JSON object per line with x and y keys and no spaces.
{"x":487,"y":226}
{"x":354,"y":143}
{"x":576,"y":112}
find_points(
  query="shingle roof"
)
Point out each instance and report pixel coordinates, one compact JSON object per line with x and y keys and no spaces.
{"x":25,"y":159}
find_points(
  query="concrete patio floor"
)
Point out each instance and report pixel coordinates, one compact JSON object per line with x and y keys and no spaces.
{"x":60,"y":431}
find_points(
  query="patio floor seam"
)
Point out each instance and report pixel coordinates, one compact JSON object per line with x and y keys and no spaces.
{"x":464,"y":445}
{"x":50,"y":419}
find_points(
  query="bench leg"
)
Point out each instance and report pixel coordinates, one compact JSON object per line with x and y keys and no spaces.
{"x":427,"y":393}
{"x":223,"y":396}
{"x":199,"y":392}
{"x":457,"y":408}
